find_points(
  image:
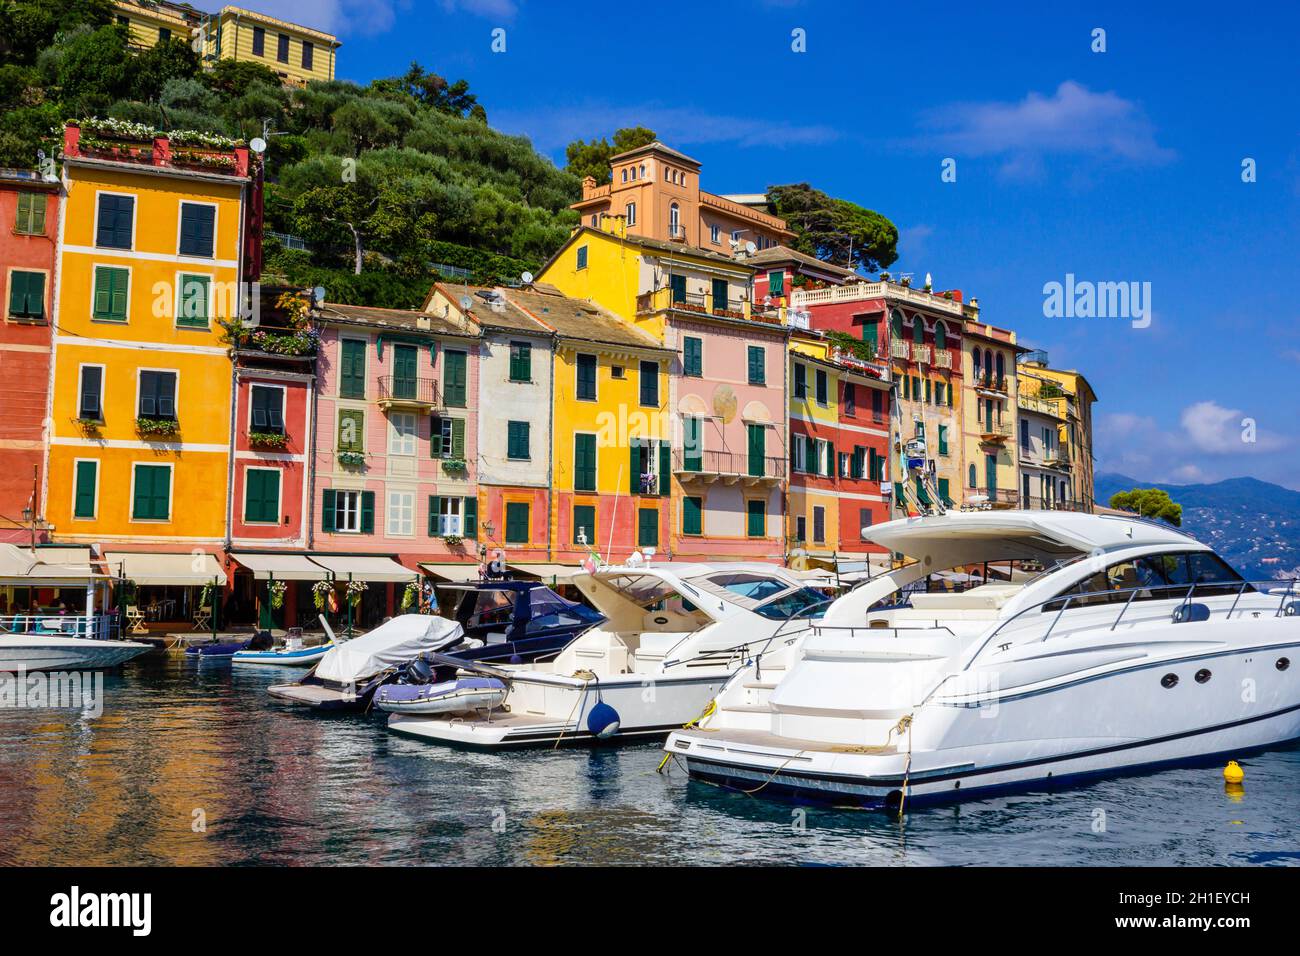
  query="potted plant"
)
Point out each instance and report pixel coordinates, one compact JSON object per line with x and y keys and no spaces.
{"x":154,"y":429}
{"x":454,"y":465}
{"x":452,"y":540}
{"x":268,"y":439}
{"x":355,"y":590}
{"x":352,"y":459}
{"x":88,"y":426}
{"x":277,"y":589}
{"x":320,"y":592}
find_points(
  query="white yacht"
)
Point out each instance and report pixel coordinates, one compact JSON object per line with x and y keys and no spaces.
{"x":1136,"y":647}
{"x":674,"y":633}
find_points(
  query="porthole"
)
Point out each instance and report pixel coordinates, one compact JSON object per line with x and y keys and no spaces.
{"x":1283,"y":663}
{"x":1169,"y":680}
{"x":1202,"y":676}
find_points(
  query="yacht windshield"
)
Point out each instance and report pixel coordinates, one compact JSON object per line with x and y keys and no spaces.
{"x":802,"y":603}
{"x":758,"y":587}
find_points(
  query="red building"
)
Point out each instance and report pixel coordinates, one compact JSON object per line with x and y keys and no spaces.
{"x":29,"y":216}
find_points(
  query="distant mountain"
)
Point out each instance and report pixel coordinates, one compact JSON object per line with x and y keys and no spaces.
{"x":1252,"y":523}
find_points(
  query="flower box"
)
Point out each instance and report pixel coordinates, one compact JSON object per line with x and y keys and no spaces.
{"x":268,"y":439}
{"x":455,"y":465}
{"x":157,"y":428}
{"x":352,"y":459}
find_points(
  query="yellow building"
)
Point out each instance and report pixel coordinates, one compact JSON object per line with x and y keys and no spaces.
{"x":296,"y":53}
{"x":149,"y":262}
{"x":1072,"y":398}
{"x":989,"y":417}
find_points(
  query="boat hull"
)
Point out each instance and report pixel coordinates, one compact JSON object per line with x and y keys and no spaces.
{"x":303,"y":657}
{"x":28,"y":653}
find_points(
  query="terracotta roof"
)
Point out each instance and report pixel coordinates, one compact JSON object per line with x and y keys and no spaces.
{"x":578,"y":319}
{"x":404,"y":319}
{"x":657,"y":147}
{"x":774,"y":255}
{"x":481,"y":310}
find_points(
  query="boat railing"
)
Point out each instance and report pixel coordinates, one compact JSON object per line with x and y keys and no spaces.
{"x":101,"y":627}
{"x":1155,"y":592}
{"x":747,"y":649}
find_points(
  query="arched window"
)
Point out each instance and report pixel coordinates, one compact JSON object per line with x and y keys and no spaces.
{"x":972,"y":477}
{"x":674,"y":220}
{"x":896,"y":324}
{"x":940,"y":336}
{"x":1001,"y":367}
{"x":918,"y":330}
{"x":975,"y":359}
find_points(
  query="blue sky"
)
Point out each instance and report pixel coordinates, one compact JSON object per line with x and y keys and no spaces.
{"x":1117,"y":166}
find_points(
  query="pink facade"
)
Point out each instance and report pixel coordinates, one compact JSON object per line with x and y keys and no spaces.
{"x":273,"y":435}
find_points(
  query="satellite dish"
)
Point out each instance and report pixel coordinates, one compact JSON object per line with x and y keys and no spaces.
{"x":750,"y":248}
{"x":318,"y":294}
{"x":466,"y":302}
{"x":258,"y":145}
{"x":527,"y":278}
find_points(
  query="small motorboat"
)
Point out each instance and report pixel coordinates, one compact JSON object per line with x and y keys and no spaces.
{"x":349,"y":673}
{"x":447,"y":697}
{"x":284,"y":655}
{"x":226,"y":650}
{"x":518,"y":621}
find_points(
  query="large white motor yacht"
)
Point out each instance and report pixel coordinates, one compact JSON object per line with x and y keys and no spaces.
{"x":674,"y":633}
{"x":1136,"y":646}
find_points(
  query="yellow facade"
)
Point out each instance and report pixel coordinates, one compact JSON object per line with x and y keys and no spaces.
{"x":1071,"y":395}
{"x":146,"y":25}
{"x":990,"y":417}
{"x":154,"y":341}
{"x":816,"y":420}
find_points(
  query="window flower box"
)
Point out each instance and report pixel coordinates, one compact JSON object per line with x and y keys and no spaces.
{"x":268,"y":439}
{"x":88,"y":426}
{"x":157,"y":428}
{"x":455,"y":465}
{"x":452,"y":540}
{"x":353,"y":459}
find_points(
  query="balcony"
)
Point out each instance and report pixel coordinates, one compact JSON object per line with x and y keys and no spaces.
{"x":995,"y":434}
{"x":727,"y":466}
{"x":921,"y":354}
{"x":942,"y":358}
{"x":702,"y":303}
{"x":900,"y":350}
{"x":997,"y":499}
{"x":124,"y":142}
{"x":861,"y":291}
{"x":1032,"y":403}
{"x":677,"y":233}
{"x":990,"y":383}
{"x":408,"y":394}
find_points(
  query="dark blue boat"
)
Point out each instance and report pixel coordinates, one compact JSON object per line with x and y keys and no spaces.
{"x":518,"y":621}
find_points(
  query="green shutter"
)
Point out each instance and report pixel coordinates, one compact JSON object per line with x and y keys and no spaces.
{"x":719,"y":294}
{"x":665,"y":469}
{"x":152,"y":500}
{"x":517,"y":522}
{"x":435,"y":437}
{"x":584,"y":518}
{"x":869,"y":335}
{"x":262,"y":495}
{"x":692,"y":357}
{"x":352,"y":434}
{"x":458,"y":438}
{"x":435,"y":503}
{"x":197,"y":229}
{"x":649,"y":385}
{"x":800,"y":381}
{"x":404,"y":377}
{"x":757,"y":450}
{"x":110,"y":293}
{"x":756,"y":518}
{"x":584,"y":462}
{"x":27,"y":295}
{"x":692,"y":516}
{"x":776,"y":283}
{"x":469,"y":517}
{"x":194,"y":300}
{"x":31,"y":214}
{"x":327,"y":510}
{"x":367,"y":512}
{"x":521,"y":362}
{"x":943,"y":491}
{"x":678,"y":285}
{"x":453,"y":389}
{"x":87,"y":479}
{"x":517,"y":440}
{"x":352,"y":369}
{"x":587,"y":377}
{"x":757,"y":365}
{"x":943,"y":439}
{"x":647,"y":528}
{"x":692,"y":450}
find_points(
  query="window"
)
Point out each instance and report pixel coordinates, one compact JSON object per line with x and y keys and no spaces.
{"x":308,"y":49}
{"x":850,"y":400}
{"x":757,"y":365}
{"x":940,"y":336}
{"x":584,"y":524}
{"x":647,"y":528}
{"x":819,"y":524}
{"x":801,"y":528}
{"x":586,"y":367}
{"x":259,"y":41}
{"x":918,"y":330}
{"x":864,"y":520}
{"x":943,"y":491}
{"x":197,"y":229}
{"x":823,"y":391}
{"x":517,"y":522}
{"x":800,"y":381}
{"x":692,"y":448}
{"x":715,"y":235}
{"x":674,"y":221}
{"x":757,"y":448}
{"x":453,"y":389}
{"x":401,"y":434}
{"x":111,"y":293}
{"x":678,"y":286}
{"x":268,"y":409}
{"x":401,"y":513}
{"x":90,"y":394}
{"x":157,"y":395}
{"x":517,"y":441}
{"x":624,"y":174}
{"x":164,"y":35}
{"x":943,"y":439}
{"x":85,"y":489}
{"x":776,"y":283}
{"x":1164,"y":577}
{"x":348,"y":512}
{"x":630,"y":212}
{"x":115,"y":222}
{"x":262,"y":496}
{"x":26,"y":295}
{"x":582,"y":257}
{"x":30,"y":220}
{"x":692,"y":356}
{"x":648,"y":474}
{"x":352,"y":432}
{"x":151,"y":495}
{"x":584,"y":462}
{"x":193,"y":301}
{"x":447,"y":438}
{"x":870,"y":333}
{"x":692,"y":515}
{"x":650,"y":384}
{"x":1024,"y":433}
{"x":756,"y":518}
{"x":616,"y":371}
{"x":352,"y":369}
{"x":927,"y":391}
{"x":719,"y":294}
{"x":521,"y":362}
{"x":282,"y":49}
{"x":453,"y":516}
{"x":971,"y":477}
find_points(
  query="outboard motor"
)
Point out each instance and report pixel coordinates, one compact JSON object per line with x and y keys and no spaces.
{"x":419,"y":672}
{"x":261,"y":641}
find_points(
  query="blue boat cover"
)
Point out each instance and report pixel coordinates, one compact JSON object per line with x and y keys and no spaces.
{"x":414,"y":692}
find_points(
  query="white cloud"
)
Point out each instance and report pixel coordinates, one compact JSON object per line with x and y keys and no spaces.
{"x":340,"y":17}
{"x":500,"y":9}
{"x":1072,"y":121}
{"x":1226,"y":431}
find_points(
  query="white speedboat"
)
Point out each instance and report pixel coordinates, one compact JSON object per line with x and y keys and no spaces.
{"x":673,"y":635}
{"x":1137,"y":647}
{"x":56,"y":652}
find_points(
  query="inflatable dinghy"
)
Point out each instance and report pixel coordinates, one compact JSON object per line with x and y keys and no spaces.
{"x":449,"y":697}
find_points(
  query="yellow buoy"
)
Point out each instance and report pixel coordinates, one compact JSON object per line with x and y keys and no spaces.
{"x":1233,"y":773}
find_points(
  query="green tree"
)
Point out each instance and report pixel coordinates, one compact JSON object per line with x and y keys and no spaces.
{"x":431,"y":90}
{"x":835,"y":230}
{"x":29,"y":26}
{"x":1149,"y":503}
{"x":591,"y":158}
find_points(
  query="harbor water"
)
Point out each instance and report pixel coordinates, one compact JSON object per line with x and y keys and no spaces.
{"x":192,"y":764}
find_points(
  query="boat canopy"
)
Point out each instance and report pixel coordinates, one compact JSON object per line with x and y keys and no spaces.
{"x":392,"y":643}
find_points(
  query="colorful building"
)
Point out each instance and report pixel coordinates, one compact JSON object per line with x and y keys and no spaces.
{"x":29,"y":220}
{"x":840,"y":410}
{"x":655,"y":194}
{"x":1072,"y":397}
{"x":1044,"y":468}
{"x":150,"y":265}
{"x":297,"y":54}
{"x":726,"y":385}
{"x":779,"y":271}
{"x":989,"y":412}
{"x":920,"y":334}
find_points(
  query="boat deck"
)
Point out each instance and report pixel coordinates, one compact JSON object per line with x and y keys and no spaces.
{"x":313,"y":694}
{"x":734,"y":738}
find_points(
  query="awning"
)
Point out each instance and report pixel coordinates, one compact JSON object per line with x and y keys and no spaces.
{"x":52,"y":554}
{"x":363,"y":567}
{"x":461,"y":573}
{"x":188,"y":569}
{"x":546,"y":572}
{"x":282,"y":567}
{"x":19,"y":569}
